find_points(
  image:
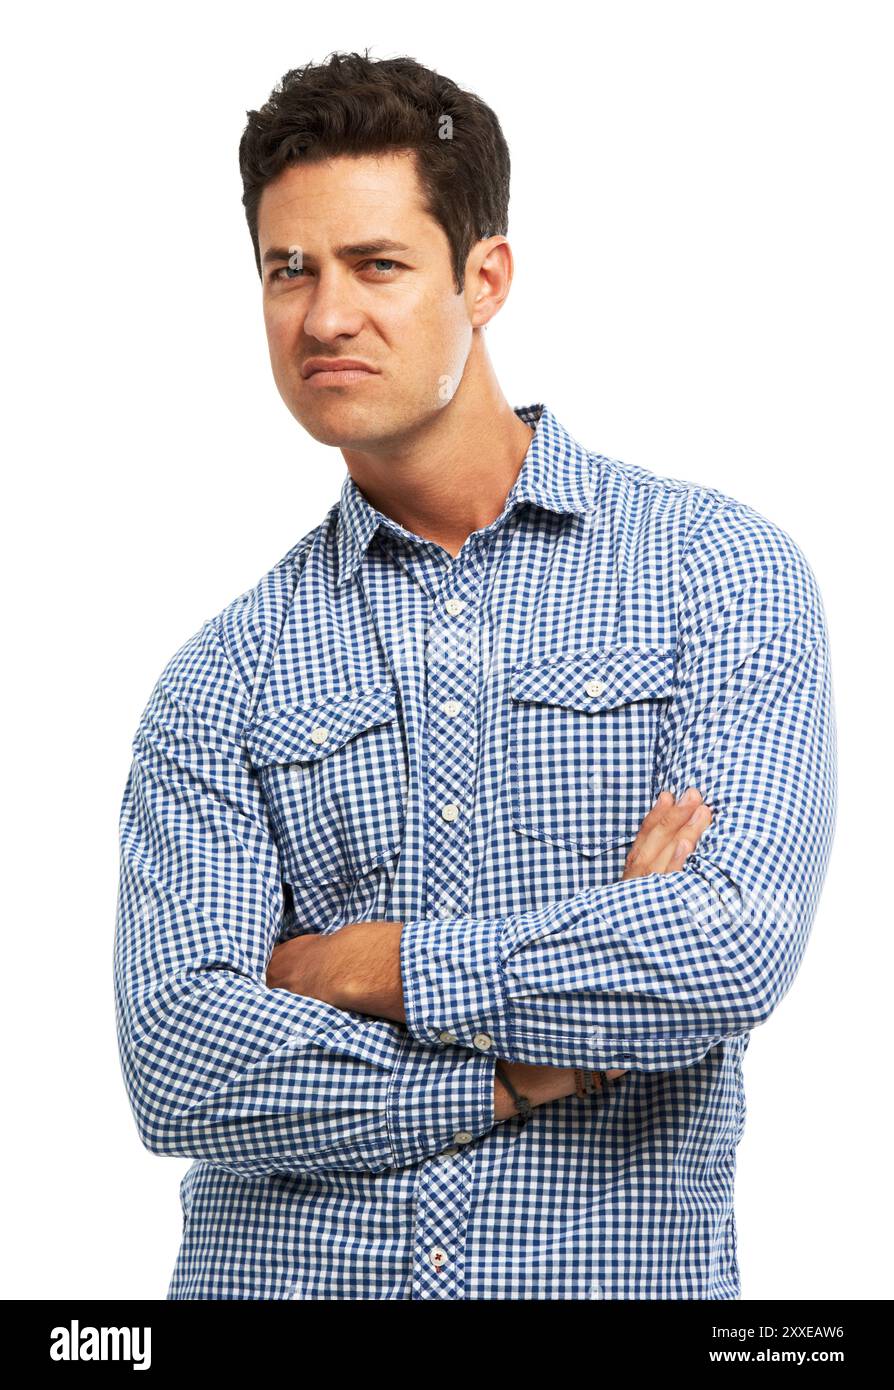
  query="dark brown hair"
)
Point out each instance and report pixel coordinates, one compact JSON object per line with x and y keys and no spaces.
{"x":353,"y":105}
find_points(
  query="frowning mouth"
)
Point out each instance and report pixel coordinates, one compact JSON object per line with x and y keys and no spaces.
{"x":337,"y":371}
{"x":343,"y":377}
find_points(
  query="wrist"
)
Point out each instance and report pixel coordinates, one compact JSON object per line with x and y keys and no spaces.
{"x":541,"y":1083}
{"x":504,"y":1102}
{"x":522,"y":1103}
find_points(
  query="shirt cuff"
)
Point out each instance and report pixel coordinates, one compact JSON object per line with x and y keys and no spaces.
{"x":453,"y":986}
{"x":438,"y":1103}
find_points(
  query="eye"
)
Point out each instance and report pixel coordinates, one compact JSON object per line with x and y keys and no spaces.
{"x":279,"y":274}
{"x":383,"y":266}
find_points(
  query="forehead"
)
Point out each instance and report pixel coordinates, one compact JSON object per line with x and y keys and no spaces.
{"x":340,"y":196}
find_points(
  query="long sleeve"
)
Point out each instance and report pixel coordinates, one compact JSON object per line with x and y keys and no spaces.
{"x":217,"y":1065}
{"x":651,"y":973}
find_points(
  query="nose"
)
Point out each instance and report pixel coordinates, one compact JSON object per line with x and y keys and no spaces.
{"x":331,"y":314}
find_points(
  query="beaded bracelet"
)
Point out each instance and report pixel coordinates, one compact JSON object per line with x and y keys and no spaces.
{"x":585,"y":1083}
{"x":522,"y":1105}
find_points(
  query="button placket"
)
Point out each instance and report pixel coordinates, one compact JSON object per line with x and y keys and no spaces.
{"x":453,"y":676}
{"x":452,"y":679}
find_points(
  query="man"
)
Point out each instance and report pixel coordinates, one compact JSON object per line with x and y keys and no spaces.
{"x":442,"y":997}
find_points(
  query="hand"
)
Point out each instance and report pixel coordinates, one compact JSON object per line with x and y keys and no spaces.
{"x":356,"y":967}
{"x":668,"y":835}
{"x":302,"y":966}
{"x":539,"y":1083}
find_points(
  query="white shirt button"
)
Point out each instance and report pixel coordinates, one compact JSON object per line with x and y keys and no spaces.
{"x":594,"y":687}
{"x":451,"y":707}
{"x":437,"y":1256}
{"x":319,"y":734}
{"x":454,"y":606}
{"x":450,"y":1151}
{"x":450,"y":811}
{"x":462,"y":1136}
{"x":483,"y":1040}
{"x":446,"y":1037}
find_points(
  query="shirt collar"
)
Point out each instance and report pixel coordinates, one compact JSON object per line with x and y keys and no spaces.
{"x":556,"y":473}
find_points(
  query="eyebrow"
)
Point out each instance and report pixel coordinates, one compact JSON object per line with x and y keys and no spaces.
{"x":361,"y":248}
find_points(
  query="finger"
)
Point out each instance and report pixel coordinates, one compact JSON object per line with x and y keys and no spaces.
{"x":659,"y":854}
{"x":660,"y":826}
{"x":684,"y":843}
{"x":653,"y":818}
{"x":662,"y":803}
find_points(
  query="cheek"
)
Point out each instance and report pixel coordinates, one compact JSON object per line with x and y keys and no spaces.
{"x":455,"y":343}
{"x":283,"y":331}
{"x":440,"y":333}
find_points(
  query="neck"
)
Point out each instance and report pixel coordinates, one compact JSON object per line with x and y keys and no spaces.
{"x":452,"y":475}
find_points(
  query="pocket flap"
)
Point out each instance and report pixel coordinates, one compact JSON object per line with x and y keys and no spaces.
{"x":305,"y":733}
{"x":597,"y":678}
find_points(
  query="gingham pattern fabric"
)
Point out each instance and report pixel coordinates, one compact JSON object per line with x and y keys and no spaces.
{"x":380,"y":731}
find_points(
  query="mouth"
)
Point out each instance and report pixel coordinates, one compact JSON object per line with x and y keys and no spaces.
{"x":343,"y":376}
{"x":332,"y":371}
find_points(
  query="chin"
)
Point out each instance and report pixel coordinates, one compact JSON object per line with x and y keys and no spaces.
{"x":347,"y":424}
{"x":339,"y":429}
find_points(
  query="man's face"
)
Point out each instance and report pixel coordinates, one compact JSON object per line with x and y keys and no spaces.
{"x":331,"y":289}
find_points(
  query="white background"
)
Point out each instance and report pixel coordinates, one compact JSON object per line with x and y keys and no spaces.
{"x":701,"y":224}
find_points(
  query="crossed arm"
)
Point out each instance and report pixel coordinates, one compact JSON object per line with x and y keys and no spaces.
{"x":358,"y":967}
{"x":653,"y":972}
{"x":650,"y":972}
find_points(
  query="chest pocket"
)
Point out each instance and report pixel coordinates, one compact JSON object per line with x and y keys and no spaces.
{"x":334,"y":777}
{"x":582,"y":737}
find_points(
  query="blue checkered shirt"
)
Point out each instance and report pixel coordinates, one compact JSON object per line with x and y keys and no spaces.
{"x":381,"y":731}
